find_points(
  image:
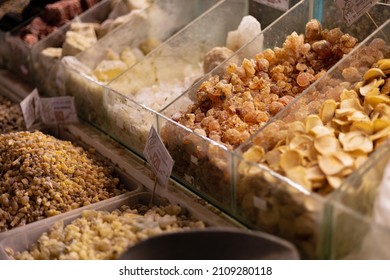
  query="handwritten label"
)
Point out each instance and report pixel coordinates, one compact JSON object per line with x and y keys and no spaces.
{"x":31,"y":109}
{"x":282,"y":5}
{"x":58,"y":110}
{"x":352,"y":10}
{"x":158,"y":157}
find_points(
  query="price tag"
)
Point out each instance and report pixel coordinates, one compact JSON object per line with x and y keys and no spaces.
{"x":31,"y":109}
{"x":352,"y":10}
{"x":158,"y":157}
{"x":58,"y":110}
{"x":282,"y":5}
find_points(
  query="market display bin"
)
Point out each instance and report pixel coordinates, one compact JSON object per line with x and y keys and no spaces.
{"x":130,"y":185}
{"x":309,"y":144}
{"x":20,"y":63}
{"x":86,"y":76}
{"x":47,"y":53}
{"x":360,"y":230}
{"x":272,"y":203}
{"x":208,"y":167}
{"x":23,"y":240}
{"x":171,"y":69}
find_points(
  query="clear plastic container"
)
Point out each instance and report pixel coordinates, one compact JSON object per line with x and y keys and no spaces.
{"x":171,"y":69}
{"x":211,"y":169}
{"x":272,"y":203}
{"x":356,"y":229}
{"x":145,"y":31}
{"x":46,"y":70}
{"x":20,"y":63}
{"x":275,"y":133}
{"x":24,"y":239}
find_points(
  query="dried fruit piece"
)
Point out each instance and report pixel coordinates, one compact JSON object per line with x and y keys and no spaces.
{"x":373,"y":73}
{"x":312,"y":121}
{"x":290,"y":159}
{"x":356,"y":141}
{"x":384,"y":65}
{"x":330,"y":164}
{"x":374,"y":100}
{"x":299,"y":175}
{"x":334,"y":181}
{"x":328,"y":110}
{"x":254,"y":154}
{"x":326,"y":144}
{"x":366,"y":126}
{"x":315,"y":174}
{"x":301,"y":142}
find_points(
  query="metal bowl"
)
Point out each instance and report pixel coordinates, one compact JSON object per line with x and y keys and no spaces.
{"x":213,"y":244}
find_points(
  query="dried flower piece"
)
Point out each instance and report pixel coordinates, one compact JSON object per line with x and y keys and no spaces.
{"x":356,"y":141}
{"x":326,"y":144}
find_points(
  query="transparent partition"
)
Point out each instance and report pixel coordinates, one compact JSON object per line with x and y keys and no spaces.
{"x":87,"y":74}
{"x":246,"y":109}
{"x":269,"y":202}
{"x":21,"y":40}
{"x":359,"y":224}
{"x":232,"y":102}
{"x":326,"y":135}
{"x":175,"y":66}
{"x":127,"y":121}
{"x":200,"y":164}
{"x":77,"y":35}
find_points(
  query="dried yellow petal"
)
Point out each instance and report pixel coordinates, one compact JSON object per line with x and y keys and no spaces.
{"x":380,"y":124}
{"x":330,"y":164}
{"x":356,"y":141}
{"x":301,"y":143}
{"x":254,"y":154}
{"x":273,"y":158}
{"x":327,"y":110}
{"x":298,"y":174}
{"x":296,"y":127}
{"x":384,"y":65}
{"x":326,"y":144}
{"x":351,"y":103}
{"x":384,"y":133}
{"x":312,"y":121}
{"x":373,"y":73}
{"x":314,"y":173}
{"x":290,"y":159}
{"x":345,"y":158}
{"x":365,"y":89}
{"x":334,"y":181}
{"x":321,"y":130}
{"x":374,"y":100}
{"x":348,"y":94}
{"x":365,"y":126}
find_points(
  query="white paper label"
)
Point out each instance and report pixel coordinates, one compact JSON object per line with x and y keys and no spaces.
{"x":282,"y":5}
{"x":31,"y":109}
{"x":352,"y":10}
{"x":58,"y":110}
{"x":158,"y":157}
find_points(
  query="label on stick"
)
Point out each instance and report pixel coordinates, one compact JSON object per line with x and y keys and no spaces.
{"x":158,"y":157}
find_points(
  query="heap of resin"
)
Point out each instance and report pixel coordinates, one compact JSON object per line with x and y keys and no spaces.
{"x":232,"y":107}
{"x":105,"y":235}
{"x":42,"y":176}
